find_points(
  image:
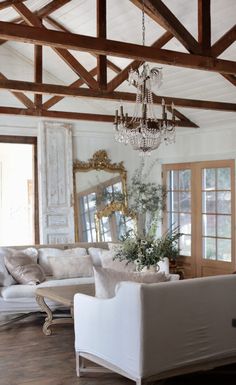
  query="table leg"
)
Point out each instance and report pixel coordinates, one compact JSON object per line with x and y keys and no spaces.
{"x":47,"y":310}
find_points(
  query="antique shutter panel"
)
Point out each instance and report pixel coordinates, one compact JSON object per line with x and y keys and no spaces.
{"x":55,"y":183}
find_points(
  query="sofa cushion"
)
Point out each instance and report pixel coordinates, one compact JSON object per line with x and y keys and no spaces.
{"x":107,"y":279}
{"x":23,"y":270}
{"x":71,"y":266}
{"x":44,"y":253}
{"x":14,"y":292}
{"x":5,"y":278}
{"x":94,"y":252}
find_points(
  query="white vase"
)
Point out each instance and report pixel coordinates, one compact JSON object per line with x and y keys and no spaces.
{"x":150,"y":269}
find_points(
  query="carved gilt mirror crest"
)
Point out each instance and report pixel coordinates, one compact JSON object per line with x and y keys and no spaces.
{"x":99,"y":188}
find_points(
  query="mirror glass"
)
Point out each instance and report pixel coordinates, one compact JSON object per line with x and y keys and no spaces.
{"x":98,"y":184}
{"x":113,"y":222}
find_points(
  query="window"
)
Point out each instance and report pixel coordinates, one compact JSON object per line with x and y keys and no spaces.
{"x":18,"y":187}
{"x":200,"y":200}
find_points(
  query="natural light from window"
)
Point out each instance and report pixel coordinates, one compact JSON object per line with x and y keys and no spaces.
{"x":16,"y":194}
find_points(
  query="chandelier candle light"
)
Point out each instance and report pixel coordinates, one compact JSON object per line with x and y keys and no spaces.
{"x":144,"y":131}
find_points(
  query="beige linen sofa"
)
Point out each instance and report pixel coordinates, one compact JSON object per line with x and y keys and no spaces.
{"x":154,"y":331}
{"x":20,"y":298}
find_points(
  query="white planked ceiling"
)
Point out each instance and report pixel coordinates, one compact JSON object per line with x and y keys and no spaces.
{"x":124,"y":24}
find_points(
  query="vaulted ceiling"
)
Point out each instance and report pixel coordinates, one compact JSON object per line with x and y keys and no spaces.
{"x":80,"y":53}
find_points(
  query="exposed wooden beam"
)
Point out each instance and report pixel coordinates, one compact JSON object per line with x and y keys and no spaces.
{"x":16,"y":85}
{"x":67,"y":115}
{"x":38,"y":72}
{"x":61,"y":27}
{"x":33,"y":20}
{"x":182,"y":117}
{"x":224,"y":42}
{"x":102,"y":32}
{"x":123,"y":75}
{"x":204,"y":25}
{"x":55,"y":99}
{"x":51,"y":7}
{"x":230,"y":78}
{"x":42,"y":36}
{"x":9,"y":3}
{"x":28,"y":16}
{"x":73,"y":63}
{"x":20,"y":96}
{"x":159,"y":12}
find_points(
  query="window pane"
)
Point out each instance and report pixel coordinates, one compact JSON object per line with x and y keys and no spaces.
{"x":85,"y":236}
{"x":175,"y":201}
{"x":91,"y":201}
{"x":224,"y":250}
{"x":224,"y":226}
{"x":184,"y":202}
{"x":184,"y":179}
{"x":175,"y":180}
{"x":209,"y":225}
{"x":89,"y":236}
{"x":209,"y":179}
{"x":185,"y":245}
{"x":117,"y":187}
{"x":209,"y":202}
{"x":185,"y":223}
{"x":209,"y":248}
{"x":223,"y":178}
{"x":224,"y":202}
{"x":87,"y":222}
{"x":107,"y":237}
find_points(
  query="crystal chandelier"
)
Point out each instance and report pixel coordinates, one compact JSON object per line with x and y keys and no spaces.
{"x":144,"y":131}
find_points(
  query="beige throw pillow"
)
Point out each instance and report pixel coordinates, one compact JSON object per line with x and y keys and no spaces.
{"x":107,"y":261}
{"x":107,"y":279}
{"x":23,"y":269}
{"x":46,"y":252}
{"x":71,"y":266}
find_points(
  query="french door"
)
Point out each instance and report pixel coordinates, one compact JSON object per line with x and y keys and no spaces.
{"x":201,"y":201}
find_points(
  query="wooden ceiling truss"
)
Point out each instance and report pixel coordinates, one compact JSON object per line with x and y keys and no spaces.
{"x":29,"y":28}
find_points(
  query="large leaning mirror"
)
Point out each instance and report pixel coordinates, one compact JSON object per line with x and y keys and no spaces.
{"x":98,"y":183}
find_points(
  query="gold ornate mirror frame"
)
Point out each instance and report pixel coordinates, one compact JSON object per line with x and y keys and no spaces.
{"x":110,"y":209}
{"x":99,"y":161}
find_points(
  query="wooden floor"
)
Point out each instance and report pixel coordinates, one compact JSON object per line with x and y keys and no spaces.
{"x":27,"y":357}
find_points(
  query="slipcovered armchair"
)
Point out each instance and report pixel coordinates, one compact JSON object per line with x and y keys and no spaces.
{"x":154,"y":331}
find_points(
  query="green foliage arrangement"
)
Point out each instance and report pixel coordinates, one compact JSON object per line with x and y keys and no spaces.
{"x":148,"y":251}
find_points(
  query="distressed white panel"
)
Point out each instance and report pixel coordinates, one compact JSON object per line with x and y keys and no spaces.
{"x":55,"y":183}
{"x":57,"y":220}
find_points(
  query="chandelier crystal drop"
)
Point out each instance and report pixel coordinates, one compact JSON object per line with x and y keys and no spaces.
{"x":145,"y":131}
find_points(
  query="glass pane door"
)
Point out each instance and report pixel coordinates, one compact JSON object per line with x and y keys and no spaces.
{"x":179,"y":206}
{"x":216,"y":214}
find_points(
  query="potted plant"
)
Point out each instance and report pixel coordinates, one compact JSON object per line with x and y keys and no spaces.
{"x":146,"y":251}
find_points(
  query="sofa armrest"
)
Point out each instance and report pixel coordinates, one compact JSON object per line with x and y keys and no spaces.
{"x":111,"y":328}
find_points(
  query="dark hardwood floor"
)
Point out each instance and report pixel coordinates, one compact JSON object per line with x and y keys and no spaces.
{"x":27,"y":357}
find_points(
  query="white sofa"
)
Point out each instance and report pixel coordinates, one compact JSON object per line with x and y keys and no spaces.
{"x":19,"y":298}
{"x":154,"y":331}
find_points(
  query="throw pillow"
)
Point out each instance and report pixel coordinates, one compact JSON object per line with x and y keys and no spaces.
{"x":23,"y":270}
{"x":94,"y":253}
{"x":71,"y":266}
{"x":46,"y":252}
{"x":107,"y":279}
{"x":107,"y":261}
{"x":6,"y":279}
